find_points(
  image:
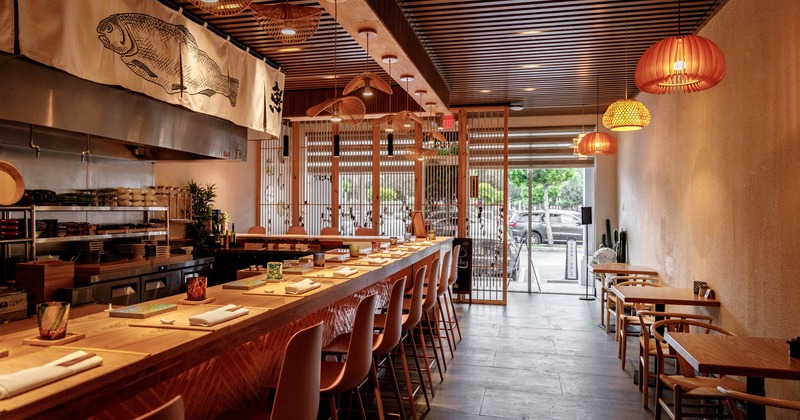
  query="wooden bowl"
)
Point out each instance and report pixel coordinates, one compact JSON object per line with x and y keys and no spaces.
{"x":12,"y":185}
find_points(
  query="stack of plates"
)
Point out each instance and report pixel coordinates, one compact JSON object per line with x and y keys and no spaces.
{"x":162,"y":250}
{"x":10,"y":228}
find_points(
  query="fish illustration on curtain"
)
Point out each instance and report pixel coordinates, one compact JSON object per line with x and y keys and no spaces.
{"x":165,"y":54}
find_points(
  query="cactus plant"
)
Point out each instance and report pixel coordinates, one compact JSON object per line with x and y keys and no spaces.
{"x":604,"y":243}
{"x":622,"y":254}
{"x":608,"y":234}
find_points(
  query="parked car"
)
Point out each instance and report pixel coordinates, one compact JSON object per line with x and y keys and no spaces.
{"x":564,"y":223}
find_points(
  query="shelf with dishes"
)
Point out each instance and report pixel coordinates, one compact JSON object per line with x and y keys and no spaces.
{"x":99,"y":237}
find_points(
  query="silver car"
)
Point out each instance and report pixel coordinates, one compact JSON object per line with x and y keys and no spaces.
{"x":564,"y":223}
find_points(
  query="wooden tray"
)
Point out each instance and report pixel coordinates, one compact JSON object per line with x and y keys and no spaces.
{"x":185,"y":301}
{"x":182,"y":316}
{"x":280,"y":290}
{"x":143,"y":310}
{"x":69,"y":338}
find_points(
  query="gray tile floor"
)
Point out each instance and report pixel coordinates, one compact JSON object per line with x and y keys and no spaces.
{"x":540,"y":357}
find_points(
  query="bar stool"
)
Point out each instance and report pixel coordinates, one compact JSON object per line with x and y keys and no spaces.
{"x":339,"y":377}
{"x":363,"y":231}
{"x":429,"y":305}
{"x":296,"y":230}
{"x":297,"y":392}
{"x":171,"y":410}
{"x":410,"y":322}
{"x":390,"y":324}
{"x":257,"y":229}
{"x":329,"y":231}
{"x":450,"y":282}
{"x":441,"y":289}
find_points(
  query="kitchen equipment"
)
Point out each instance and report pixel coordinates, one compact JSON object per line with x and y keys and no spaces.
{"x":12,"y":185}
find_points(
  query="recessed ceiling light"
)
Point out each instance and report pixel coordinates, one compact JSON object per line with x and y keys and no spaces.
{"x":486,"y":91}
{"x":407,"y":78}
{"x":290,"y":49}
{"x":516,"y":107}
{"x":389,"y":59}
{"x":530,"y":89}
{"x":534,"y":32}
{"x":420,"y":92}
{"x":330,"y":76}
{"x":530,"y":66}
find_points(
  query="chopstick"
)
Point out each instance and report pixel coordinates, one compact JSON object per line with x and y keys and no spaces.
{"x":76,"y":360}
{"x":235,"y":308}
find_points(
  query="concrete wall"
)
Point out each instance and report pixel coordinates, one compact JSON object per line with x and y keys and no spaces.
{"x":709,"y":191}
{"x":236,"y":182}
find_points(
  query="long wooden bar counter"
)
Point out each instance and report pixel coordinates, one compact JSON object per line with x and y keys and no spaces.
{"x":214,"y":370}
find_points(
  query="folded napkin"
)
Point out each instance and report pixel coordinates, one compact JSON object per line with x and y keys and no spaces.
{"x":376,"y":261}
{"x":302,"y":286}
{"x":346,"y":271}
{"x":217,"y":316}
{"x":12,"y":384}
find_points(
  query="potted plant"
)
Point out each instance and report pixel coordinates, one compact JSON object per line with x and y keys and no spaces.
{"x":202,"y":213}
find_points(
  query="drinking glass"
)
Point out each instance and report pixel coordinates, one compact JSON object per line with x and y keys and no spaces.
{"x":52,"y":317}
{"x":354,"y":251}
{"x":196,"y":288}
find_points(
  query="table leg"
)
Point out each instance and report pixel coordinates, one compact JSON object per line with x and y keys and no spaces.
{"x":755,"y":386}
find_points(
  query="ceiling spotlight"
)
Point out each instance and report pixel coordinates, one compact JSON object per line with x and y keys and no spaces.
{"x":367,"y":92}
{"x":389,"y":59}
{"x":534,"y":32}
{"x":516,"y":107}
{"x":485,"y":90}
{"x":407,"y":78}
{"x":530,"y":66}
{"x":529,"y":89}
{"x":420,"y":92}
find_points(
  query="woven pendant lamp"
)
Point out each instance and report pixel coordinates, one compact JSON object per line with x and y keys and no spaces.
{"x":287,"y":23}
{"x":367,"y":79}
{"x":223,"y":7}
{"x":626,"y":114}
{"x":348,"y":108}
{"x":597,"y":143}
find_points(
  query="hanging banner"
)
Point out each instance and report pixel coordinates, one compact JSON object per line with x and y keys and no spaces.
{"x":149,"y":48}
{"x":7,"y":26}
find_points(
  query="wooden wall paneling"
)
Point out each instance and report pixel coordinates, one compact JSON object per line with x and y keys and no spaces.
{"x":335,"y":182}
{"x":376,"y":179}
{"x":296,"y":164}
{"x":463,"y":174}
{"x":419,"y":184}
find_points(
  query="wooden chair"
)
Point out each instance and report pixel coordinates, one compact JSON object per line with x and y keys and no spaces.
{"x":647,"y":346}
{"x":390,"y":324}
{"x":734,"y":396}
{"x":171,"y":410}
{"x":450,"y":282}
{"x":429,"y":317}
{"x":363,"y":231}
{"x":608,"y":300}
{"x":687,"y":385}
{"x":329,"y":231}
{"x":623,"y":320}
{"x":296,"y":230}
{"x":257,"y":229}
{"x":340,"y":377}
{"x":297,"y":390}
{"x":410,"y":322}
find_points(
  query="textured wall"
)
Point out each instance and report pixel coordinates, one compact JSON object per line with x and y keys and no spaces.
{"x":710,"y":190}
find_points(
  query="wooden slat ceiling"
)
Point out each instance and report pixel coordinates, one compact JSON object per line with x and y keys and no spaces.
{"x":478,"y":45}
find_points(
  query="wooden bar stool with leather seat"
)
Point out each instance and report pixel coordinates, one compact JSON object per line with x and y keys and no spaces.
{"x":687,"y":385}
{"x":428,"y":306}
{"x":329,"y":231}
{"x":647,"y":346}
{"x":450,"y":282}
{"x":340,"y":377}
{"x":363,"y":231}
{"x":297,"y":391}
{"x":171,"y":410}
{"x":390,"y":324}
{"x":441,"y":290}
{"x":296,"y":230}
{"x":257,"y":229}
{"x":410,"y":322}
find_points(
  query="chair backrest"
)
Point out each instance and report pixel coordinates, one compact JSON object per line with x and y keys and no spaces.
{"x":296,"y":230}
{"x":666,"y":315}
{"x":297,"y":395}
{"x":359,"y":351}
{"x":684,"y":326}
{"x":433,"y":282}
{"x":393,"y":328}
{"x":329,"y":231}
{"x":444,"y":277}
{"x":363,"y":231}
{"x":171,"y":410}
{"x":614,"y":280}
{"x":257,"y":229}
{"x":734,"y":396}
{"x":415,"y":309}
{"x":454,"y":266}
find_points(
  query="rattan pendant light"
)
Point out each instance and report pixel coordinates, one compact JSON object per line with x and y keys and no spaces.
{"x":597,"y":143}
{"x":287,"y":23}
{"x":367,"y":79}
{"x":222,"y":7}
{"x":679,"y":64}
{"x":626,"y":114}
{"x":348,"y":108}
{"x":400,"y":122}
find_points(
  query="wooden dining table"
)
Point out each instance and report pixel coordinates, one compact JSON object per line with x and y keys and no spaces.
{"x":661,"y":296}
{"x":754,"y":357}
{"x":622,"y":269}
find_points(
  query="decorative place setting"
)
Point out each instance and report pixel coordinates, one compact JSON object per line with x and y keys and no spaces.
{"x":297,"y":289}
{"x":341,"y":273}
{"x":24,"y":380}
{"x":52,"y":319}
{"x":370,"y":261}
{"x":198,"y":318}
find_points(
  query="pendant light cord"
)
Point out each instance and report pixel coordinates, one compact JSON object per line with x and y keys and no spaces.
{"x":335,"y":48}
{"x":626,"y":59}
{"x":597,"y":103}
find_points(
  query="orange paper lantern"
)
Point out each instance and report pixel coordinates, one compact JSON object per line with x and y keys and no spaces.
{"x":680,"y":64}
{"x":597,"y":144}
